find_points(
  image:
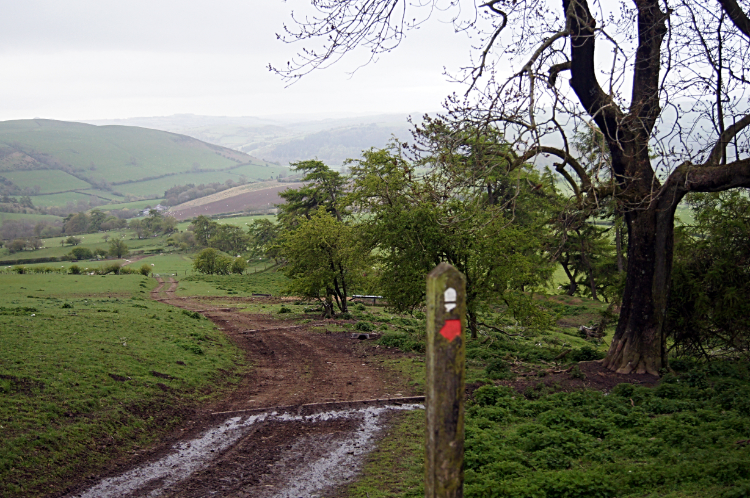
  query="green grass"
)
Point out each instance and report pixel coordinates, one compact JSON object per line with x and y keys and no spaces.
{"x":684,"y":438}
{"x":50,"y":180}
{"x":77,"y":384}
{"x":396,"y":467}
{"x":35,"y":148}
{"x":28,"y":217}
{"x":130,"y":205}
{"x":159,"y":186}
{"x":61,"y":200}
{"x":264,"y":282}
{"x":53,"y":248}
{"x":168,"y":264}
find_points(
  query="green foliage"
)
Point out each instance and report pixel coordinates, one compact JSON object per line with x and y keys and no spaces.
{"x":634,"y":442}
{"x":403,"y":341}
{"x":154,"y":224}
{"x":79,"y":253}
{"x":192,"y":314}
{"x":709,"y":303}
{"x":118,"y":248}
{"x":264,"y":237}
{"x":239,"y":265}
{"x":586,"y":353}
{"x":210,"y":261}
{"x":74,"y":270}
{"x":322,"y":188}
{"x":470,"y":209}
{"x":64,"y":415}
{"x":326,"y":259}
{"x":364,"y":326}
{"x":145,"y":270}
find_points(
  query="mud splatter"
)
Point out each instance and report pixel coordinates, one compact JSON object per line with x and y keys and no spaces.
{"x":309,"y":466}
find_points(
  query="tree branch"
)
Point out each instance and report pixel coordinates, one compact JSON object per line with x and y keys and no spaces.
{"x":738,"y":17}
{"x":714,"y":159}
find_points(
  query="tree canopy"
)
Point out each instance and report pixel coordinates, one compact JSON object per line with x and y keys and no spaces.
{"x":664,"y":83}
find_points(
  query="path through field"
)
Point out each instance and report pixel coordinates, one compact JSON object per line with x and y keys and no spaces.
{"x":314,"y":443}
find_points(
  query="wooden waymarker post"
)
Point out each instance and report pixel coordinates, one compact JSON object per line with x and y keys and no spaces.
{"x":444,"y":396}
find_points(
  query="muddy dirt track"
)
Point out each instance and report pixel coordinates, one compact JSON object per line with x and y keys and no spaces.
{"x":235,"y":448}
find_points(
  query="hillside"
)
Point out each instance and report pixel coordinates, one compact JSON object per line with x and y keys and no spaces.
{"x":283,"y":140}
{"x":58,"y":163}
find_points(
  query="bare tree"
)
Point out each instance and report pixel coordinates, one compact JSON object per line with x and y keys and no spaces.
{"x":665,"y":81}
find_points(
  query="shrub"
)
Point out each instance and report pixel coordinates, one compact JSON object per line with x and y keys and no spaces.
{"x":110,"y":268}
{"x":74,"y":270}
{"x":192,"y":314}
{"x":402,"y":341}
{"x":586,"y":354}
{"x":364,"y":326}
{"x":490,"y":395}
{"x":239,"y":265}
{"x":79,"y":253}
{"x":360,"y":307}
{"x":145,"y":270}
{"x":284,"y":309}
{"x":497,"y":369}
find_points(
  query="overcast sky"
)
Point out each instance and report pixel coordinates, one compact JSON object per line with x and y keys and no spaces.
{"x":104,"y":59}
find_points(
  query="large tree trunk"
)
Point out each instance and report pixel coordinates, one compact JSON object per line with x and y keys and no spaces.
{"x":638,"y":344}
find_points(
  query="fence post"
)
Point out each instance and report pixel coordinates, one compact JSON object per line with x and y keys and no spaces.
{"x":444,"y":396}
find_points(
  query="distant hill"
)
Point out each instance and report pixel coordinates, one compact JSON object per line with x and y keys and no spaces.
{"x":286,"y":139}
{"x":57,"y":163}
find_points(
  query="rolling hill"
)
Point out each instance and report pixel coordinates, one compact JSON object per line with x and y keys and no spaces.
{"x":57,"y":163}
{"x":285,"y":139}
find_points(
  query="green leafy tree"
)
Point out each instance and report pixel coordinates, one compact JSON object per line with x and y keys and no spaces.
{"x":210,"y":261}
{"x":203,"y":228}
{"x":229,"y":238}
{"x":326,"y":259}
{"x":117,"y":248}
{"x":96,"y":218}
{"x":469,"y":210}
{"x":73,"y":241}
{"x":239,"y":265}
{"x":16,"y":245}
{"x":709,"y":303}
{"x":322,"y":187}
{"x":79,"y":253}
{"x":76,"y":223}
{"x":264,"y":237}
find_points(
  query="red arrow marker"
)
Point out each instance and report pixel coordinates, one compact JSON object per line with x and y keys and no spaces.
{"x":451,"y":329}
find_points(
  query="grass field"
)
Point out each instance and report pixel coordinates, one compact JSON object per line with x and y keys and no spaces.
{"x":27,"y":217}
{"x":131,"y":205}
{"x":48,"y":180}
{"x":160,"y":185}
{"x":78,"y":374}
{"x":66,"y":197}
{"x":34,"y":150}
{"x":53,"y":247}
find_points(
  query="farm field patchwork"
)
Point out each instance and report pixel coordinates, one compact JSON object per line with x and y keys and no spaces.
{"x":49,"y":180}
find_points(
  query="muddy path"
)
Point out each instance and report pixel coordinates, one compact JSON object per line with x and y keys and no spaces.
{"x":311,"y":444}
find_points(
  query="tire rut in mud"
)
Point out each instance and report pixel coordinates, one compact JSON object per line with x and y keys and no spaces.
{"x":265,"y":456}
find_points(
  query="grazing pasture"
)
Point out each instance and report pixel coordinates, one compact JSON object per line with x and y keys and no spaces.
{"x":91,"y":369}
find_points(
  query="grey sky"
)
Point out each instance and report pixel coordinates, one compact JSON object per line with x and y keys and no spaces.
{"x":95,"y":59}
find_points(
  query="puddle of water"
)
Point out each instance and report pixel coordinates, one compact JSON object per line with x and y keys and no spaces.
{"x":342,"y":461}
{"x":339,"y":463}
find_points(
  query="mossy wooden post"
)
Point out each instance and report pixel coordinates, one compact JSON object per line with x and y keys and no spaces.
{"x":446,"y":352}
